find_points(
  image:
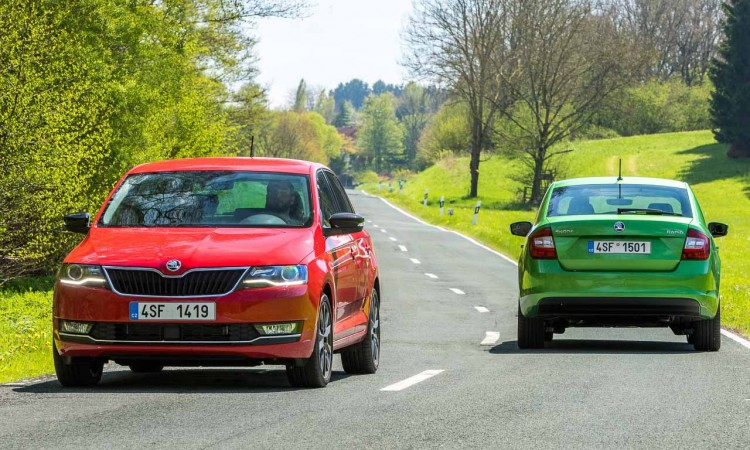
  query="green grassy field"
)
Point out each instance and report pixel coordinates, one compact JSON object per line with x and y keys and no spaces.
{"x":25,"y":334}
{"x":721,"y":185}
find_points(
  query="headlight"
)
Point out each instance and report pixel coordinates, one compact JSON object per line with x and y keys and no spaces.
{"x":276,"y":276}
{"x":82,"y":275}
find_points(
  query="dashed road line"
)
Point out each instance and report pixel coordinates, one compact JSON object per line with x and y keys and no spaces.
{"x":481,"y":309}
{"x":393,"y":239}
{"x":490,"y":338}
{"x":411,"y":381}
{"x":457,"y":291}
{"x":432,"y":275}
{"x":376,"y":226}
{"x":383,"y":230}
{"x":415,"y":261}
{"x":403,"y":248}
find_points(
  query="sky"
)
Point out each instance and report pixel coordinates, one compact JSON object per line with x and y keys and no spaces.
{"x":338,"y":40}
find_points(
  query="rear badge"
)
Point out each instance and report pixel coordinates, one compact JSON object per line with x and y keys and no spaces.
{"x":619,"y":227}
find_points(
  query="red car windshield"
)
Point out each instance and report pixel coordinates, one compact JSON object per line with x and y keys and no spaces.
{"x":210,"y":199}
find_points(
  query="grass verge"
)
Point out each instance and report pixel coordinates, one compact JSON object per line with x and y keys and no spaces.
{"x":25,"y":334}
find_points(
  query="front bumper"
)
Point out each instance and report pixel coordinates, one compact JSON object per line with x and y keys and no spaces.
{"x":231,"y":336}
{"x":691,"y":290}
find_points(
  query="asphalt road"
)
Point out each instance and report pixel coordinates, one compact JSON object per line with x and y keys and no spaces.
{"x":592,"y":388}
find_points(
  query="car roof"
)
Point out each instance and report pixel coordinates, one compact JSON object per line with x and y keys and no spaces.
{"x":281,"y":165}
{"x":624,"y":181}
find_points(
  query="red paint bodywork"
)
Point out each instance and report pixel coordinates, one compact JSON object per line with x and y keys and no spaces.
{"x":344,"y":265}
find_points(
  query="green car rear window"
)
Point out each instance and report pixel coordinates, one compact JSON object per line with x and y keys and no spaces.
{"x":608,"y":198}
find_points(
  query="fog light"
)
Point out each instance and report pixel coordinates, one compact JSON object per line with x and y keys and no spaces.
{"x":279,"y":328}
{"x":69,"y":326}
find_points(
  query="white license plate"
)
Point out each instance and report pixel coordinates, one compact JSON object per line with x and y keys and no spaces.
{"x":620,"y":247}
{"x":172,"y":311}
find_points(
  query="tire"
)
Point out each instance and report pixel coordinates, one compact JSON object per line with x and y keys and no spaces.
{"x":530,"y":332}
{"x":317,"y":369}
{"x":548,"y":336}
{"x":146,"y":367}
{"x":364,"y":357}
{"x":79,"y":373}
{"x":707,"y":333}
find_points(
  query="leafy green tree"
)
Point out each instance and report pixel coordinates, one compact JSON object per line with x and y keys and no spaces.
{"x":325,"y":105}
{"x":730,"y":73}
{"x":305,"y":136}
{"x":381,"y":136}
{"x":447,"y":132}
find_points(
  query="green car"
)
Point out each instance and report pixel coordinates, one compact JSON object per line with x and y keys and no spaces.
{"x":608,"y":252}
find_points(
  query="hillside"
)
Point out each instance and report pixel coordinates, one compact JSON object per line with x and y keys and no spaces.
{"x":721,"y":185}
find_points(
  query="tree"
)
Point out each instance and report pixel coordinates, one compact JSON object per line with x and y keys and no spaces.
{"x":325,"y":105}
{"x":305,"y":136}
{"x":300,"y":98}
{"x":446,"y":132}
{"x":459,"y":44}
{"x":381,"y":136}
{"x":346,"y":116}
{"x":569,"y":62}
{"x":414,"y":111}
{"x":730,"y":73}
{"x":354,"y":91}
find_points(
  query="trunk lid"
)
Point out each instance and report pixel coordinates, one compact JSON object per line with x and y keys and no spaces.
{"x":594,"y":244}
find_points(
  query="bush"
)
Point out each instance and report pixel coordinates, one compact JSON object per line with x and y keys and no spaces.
{"x":656,"y":107}
{"x":366,"y":177}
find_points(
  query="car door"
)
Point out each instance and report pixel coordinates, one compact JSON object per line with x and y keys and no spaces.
{"x":340,"y":250}
{"x":362,"y":245}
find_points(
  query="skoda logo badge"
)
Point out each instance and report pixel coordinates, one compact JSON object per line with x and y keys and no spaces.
{"x":619,"y":227}
{"x":174,"y":265}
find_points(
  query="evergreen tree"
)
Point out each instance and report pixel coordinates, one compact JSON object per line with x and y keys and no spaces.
{"x":730,"y":73}
{"x":345,"y":117}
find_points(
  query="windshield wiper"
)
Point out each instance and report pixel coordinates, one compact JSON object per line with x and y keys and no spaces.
{"x":657,"y":212}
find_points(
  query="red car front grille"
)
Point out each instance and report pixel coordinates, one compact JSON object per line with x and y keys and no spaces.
{"x":201,"y":282}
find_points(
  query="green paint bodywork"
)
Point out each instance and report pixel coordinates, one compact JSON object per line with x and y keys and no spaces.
{"x":578,"y":273}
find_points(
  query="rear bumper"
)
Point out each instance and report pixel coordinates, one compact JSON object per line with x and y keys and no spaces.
{"x":690,"y":291}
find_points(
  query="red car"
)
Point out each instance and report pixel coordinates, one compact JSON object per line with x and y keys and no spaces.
{"x":219,"y":262}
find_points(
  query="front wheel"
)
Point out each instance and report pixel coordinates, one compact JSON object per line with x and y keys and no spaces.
{"x":80,"y":372}
{"x":317,"y":369}
{"x":365,"y":356}
{"x":707,"y":333}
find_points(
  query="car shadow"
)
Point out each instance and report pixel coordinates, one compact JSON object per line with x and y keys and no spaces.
{"x":581,"y":346}
{"x":180,"y":380}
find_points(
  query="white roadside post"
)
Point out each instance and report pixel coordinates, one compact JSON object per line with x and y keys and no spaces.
{"x":425,"y":197}
{"x":401,"y":186}
{"x":476,"y":213}
{"x":442,"y":204}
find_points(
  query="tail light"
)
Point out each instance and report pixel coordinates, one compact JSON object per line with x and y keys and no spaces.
{"x":697,"y":246}
{"x":542,"y":245}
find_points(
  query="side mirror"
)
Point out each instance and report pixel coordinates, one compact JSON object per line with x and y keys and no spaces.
{"x":344,"y":223}
{"x":718,"y":229}
{"x":77,"y":223}
{"x":520,"y":228}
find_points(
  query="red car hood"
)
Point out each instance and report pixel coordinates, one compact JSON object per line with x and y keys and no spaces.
{"x":193,"y":247}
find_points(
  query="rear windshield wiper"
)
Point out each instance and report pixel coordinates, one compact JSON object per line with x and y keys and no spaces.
{"x":657,"y":212}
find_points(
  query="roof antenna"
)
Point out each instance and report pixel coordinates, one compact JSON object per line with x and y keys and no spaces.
{"x":252,"y":147}
{"x":619,"y":177}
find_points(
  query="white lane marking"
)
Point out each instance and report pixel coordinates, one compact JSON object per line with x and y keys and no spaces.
{"x":393,"y":239}
{"x":415,"y":261}
{"x":403,"y":248}
{"x":481,"y":309}
{"x":369,"y":221}
{"x":383,"y":230}
{"x":742,"y":341}
{"x":401,"y":385}
{"x":376,"y":226}
{"x":457,"y":291}
{"x":490,"y":338}
{"x":432,"y":275}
